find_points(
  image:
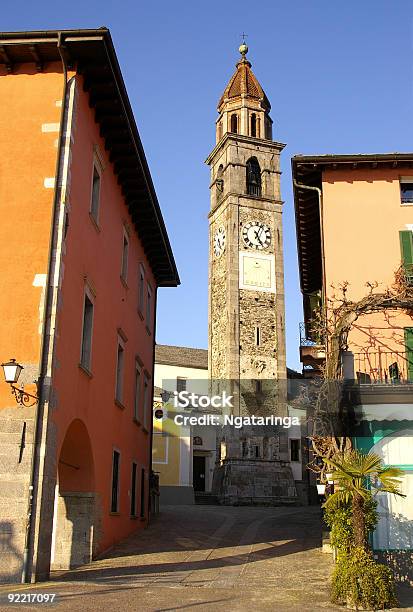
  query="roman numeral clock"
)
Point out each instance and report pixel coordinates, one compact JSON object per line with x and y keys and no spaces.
{"x":256,"y":235}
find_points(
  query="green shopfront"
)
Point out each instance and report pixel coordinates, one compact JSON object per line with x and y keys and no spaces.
{"x":385,"y":427}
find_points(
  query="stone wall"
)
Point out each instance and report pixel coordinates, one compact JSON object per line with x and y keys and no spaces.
{"x":255,"y":482}
{"x":16,"y":446}
{"x":77,"y":529}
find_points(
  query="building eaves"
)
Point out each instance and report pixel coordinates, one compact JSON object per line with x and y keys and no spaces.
{"x":308,"y":170}
{"x":91,"y":53}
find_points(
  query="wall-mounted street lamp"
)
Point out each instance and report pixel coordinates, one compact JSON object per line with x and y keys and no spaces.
{"x":11,"y":370}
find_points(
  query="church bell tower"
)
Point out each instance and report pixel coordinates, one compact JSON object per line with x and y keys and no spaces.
{"x":246,"y":291}
{"x":246,"y":285}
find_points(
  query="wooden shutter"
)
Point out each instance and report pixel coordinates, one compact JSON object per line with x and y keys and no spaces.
{"x":408,"y":340}
{"x":406,"y":247}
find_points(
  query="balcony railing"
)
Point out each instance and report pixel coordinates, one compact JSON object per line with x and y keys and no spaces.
{"x":383,"y":367}
{"x":307,"y":339}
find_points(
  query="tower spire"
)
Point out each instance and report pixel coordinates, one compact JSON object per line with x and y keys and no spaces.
{"x":243,"y":107}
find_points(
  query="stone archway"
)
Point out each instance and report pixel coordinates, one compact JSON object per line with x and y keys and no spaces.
{"x":76,"y":524}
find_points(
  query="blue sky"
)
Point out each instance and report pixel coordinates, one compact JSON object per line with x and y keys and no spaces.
{"x":338,"y":75}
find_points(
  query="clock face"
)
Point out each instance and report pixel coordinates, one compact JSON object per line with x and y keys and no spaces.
{"x":219,"y":241}
{"x":256,"y":235}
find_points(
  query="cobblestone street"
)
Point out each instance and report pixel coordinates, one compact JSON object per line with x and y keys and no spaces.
{"x":205,"y":558}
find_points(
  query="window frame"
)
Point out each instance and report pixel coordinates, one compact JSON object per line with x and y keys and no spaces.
{"x":137,"y":403}
{"x":407,"y":180}
{"x":87,"y":295}
{"x":112,"y":482}
{"x":133,"y":490}
{"x":298,"y":440}
{"x":179,"y":381}
{"x":125,"y":257}
{"x":119,"y":380}
{"x":141,"y":290}
{"x":149,"y":307}
{"x":94,"y":207}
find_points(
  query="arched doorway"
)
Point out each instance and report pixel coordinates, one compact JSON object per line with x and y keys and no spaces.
{"x":75,"y":524}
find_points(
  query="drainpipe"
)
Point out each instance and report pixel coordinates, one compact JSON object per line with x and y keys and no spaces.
{"x":151,"y":404}
{"x":323,"y":266}
{"x":35,"y":461}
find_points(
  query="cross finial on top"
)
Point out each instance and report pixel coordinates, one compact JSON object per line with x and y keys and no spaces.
{"x":243,"y":47}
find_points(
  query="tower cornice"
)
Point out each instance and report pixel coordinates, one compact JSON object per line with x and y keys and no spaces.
{"x":237,"y":199}
{"x":241,"y":138}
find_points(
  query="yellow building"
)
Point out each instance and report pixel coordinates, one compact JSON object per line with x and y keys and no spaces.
{"x":183,"y":455}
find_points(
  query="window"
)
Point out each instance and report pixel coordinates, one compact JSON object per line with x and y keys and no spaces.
{"x":234,"y":124}
{"x":86,"y":348}
{"x":125,"y":252}
{"x":114,"y":506}
{"x":406,"y":191}
{"x":95,"y":196}
{"x":253,"y":124}
{"x":258,"y":386}
{"x":142,"y":513}
{"x":146,"y":400}
{"x":149,"y":308}
{"x":181,"y":384}
{"x":257,"y":336}
{"x":119,"y":371}
{"x":256,"y":451}
{"x":268,"y":129}
{"x":133,"y":490}
{"x":253,"y":177}
{"x":406,"y":248}
{"x":294,"y":449}
{"x":141,"y":289}
{"x":138,"y":393}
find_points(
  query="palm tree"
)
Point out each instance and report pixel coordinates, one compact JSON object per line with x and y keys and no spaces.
{"x":358,"y":476}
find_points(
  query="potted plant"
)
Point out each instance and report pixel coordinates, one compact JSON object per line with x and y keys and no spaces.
{"x":358,"y":580}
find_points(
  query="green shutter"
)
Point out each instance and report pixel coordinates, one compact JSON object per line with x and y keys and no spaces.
{"x":408,"y":341}
{"x":406,"y":247}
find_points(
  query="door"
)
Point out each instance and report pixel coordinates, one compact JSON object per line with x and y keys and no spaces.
{"x":408,"y":341}
{"x":199,"y":473}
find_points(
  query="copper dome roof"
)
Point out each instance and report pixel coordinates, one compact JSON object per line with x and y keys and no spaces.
{"x":244,"y":83}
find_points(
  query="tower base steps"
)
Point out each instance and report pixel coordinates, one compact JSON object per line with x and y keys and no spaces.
{"x":249,"y":482}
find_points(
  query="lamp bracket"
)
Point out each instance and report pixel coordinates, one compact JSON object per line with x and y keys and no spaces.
{"x":23,"y":397}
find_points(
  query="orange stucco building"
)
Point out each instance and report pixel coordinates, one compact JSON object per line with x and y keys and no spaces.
{"x":354,"y":225}
{"x":83,"y":249}
{"x":355,"y":230}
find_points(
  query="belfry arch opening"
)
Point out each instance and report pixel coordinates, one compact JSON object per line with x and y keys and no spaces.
{"x":254,"y":125}
{"x":253,"y":177}
{"x":234,"y":124}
